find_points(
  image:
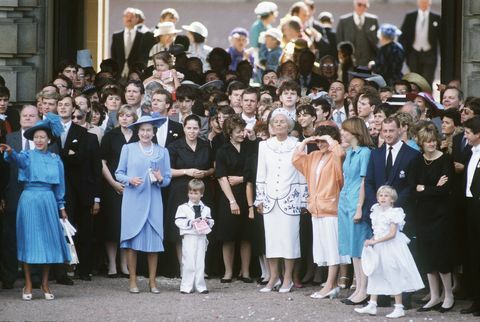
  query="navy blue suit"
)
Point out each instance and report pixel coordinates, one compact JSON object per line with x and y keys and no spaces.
{"x":398,"y":179}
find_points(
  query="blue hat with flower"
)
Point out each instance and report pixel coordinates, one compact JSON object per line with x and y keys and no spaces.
{"x":389,"y":30}
{"x":155,"y":119}
{"x":52,"y":124}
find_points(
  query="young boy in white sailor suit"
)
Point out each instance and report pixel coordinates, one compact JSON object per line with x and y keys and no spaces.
{"x":195,"y":222}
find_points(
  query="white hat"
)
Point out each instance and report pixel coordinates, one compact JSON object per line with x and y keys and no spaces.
{"x":265,"y":7}
{"x":165,"y":28}
{"x":369,"y":260}
{"x":275,"y":33}
{"x":198,"y":28}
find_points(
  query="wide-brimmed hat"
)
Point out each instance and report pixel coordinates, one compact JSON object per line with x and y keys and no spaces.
{"x":429,"y":99}
{"x":369,"y":260}
{"x":419,"y":80}
{"x":197,"y":27}
{"x":165,"y":28}
{"x":389,"y":31}
{"x":274,"y":33}
{"x":155,"y":120}
{"x":212,"y":85}
{"x":265,"y":7}
{"x":52,"y":124}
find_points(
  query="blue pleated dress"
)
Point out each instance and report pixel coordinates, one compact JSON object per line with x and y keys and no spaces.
{"x":40,"y":238}
{"x":142,"y":206}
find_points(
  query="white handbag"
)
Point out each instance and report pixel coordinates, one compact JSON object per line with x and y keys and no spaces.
{"x":70,"y":231}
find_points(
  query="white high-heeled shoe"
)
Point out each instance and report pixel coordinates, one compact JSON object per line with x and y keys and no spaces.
{"x":287,"y":289}
{"x":48,"y":296}
{"x":26,"y":296}
{"x":332,"y":294}
{"x":267,"y":289}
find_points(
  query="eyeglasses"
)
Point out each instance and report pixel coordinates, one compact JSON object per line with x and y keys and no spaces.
{"x":78,"y":117}
{"x":327,"y":65}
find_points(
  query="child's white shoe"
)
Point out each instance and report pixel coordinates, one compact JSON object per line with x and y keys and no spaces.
{"x":398,"y":312}
{"x":370,"y":308}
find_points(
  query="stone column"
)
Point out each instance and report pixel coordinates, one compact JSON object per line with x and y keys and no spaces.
{"x":471,"y":47}
{"x":25,"y":46}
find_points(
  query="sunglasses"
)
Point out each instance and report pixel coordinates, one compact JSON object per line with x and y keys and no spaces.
{"x":78,"y":117}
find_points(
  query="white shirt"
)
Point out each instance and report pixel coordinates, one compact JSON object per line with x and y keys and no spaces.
{"x":359,"y":20}
{"x":162,"y":132}
{"x":128,"y":47}
{"x":396,"y":149}
{"x":66,"y":128}
{"x":342,"y":113}
{"x":30,"y":143}
{"x":421,"y":32}
{"x":249,"y":120}
{"x":472,"y":165}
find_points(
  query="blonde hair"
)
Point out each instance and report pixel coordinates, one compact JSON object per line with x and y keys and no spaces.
{"x":196,"y":185}
{"x":389,"y":190}
{"x":127,"y":109}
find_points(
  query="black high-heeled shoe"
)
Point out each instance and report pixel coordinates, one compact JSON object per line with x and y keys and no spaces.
{"x":350,"y":302}
{"x":446,"y":309}
{"x":431,"y":308}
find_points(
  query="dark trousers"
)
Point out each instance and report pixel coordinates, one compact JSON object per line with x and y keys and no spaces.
{"x":9,"y":247}
{"x":423,"y":63}
{"x":473,"y":252}
{"x":83,"y":221}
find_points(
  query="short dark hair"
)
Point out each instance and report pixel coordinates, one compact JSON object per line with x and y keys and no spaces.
{"x":403,"y":82}
{"x":289,"y":85}
{"x":234,"y":86}
{"x":4,"y":92}
{"x":474,"y":105}
{"x":324,"y":104}
{"x":329,"y":130}
{"x":391,"y":119}
{"x":232,"y":123}
{"x":168,"y":96}
{"x":66,"y":63}
{"x":137,"y":83}
{"x":112,"y":90}
{"x":452,"y":114}
{"x":186,"y":91}
{"x":66,"y":79}
{"x":193,"y":117}
{"x":251,"y":90}
{"x":307,"y":109}
{"x":473,"y":124}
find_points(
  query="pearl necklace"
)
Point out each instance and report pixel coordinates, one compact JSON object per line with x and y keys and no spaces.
{"x":148,"y":152}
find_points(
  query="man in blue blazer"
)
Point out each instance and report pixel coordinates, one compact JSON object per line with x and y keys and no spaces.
{"x":391,"y":165}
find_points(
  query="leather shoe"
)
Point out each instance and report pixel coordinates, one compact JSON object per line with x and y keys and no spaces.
{"x":65,"y":280}
{"x":469,"y":310}
{"x":87,"y":278}
{"x":7,"y":285}
{"x":431,"y":308}
{"x":115,"y":275}
{"x":225,"y":280}
{"x":204,"y":292}
{"x":446,"y":309}
{"x":476,"y":313}
{"x":350,"y":302}
{"x":246,"y":279}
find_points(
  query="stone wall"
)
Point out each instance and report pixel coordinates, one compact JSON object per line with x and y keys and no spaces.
{"x":24,"y":50}
{"x":471,"y":47}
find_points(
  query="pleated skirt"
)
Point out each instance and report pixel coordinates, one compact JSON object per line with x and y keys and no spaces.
{"x":147,"y":240}
{"x":40,"y":238}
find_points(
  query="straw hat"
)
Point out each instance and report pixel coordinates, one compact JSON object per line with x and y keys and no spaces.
{"x":198,"y":28}
{"x":419,"y":80}
{"x":369,"y":260}
{"x":165,"y":28}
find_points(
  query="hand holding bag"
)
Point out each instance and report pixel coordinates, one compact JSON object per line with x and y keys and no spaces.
{"x":69,"y":232}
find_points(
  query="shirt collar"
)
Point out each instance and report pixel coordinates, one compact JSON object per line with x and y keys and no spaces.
{"x":397,"y":146}
{"x":191,"y":204}
{"x":424,"y":13}
{"x":476,"y":149}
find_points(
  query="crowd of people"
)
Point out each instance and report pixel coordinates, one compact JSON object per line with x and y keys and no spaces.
{"x":298,"y":154}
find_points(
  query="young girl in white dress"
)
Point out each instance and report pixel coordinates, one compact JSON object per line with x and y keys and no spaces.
{"x":395,"y":271}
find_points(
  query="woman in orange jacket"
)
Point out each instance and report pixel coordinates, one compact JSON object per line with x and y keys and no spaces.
{"x":323,"y":172}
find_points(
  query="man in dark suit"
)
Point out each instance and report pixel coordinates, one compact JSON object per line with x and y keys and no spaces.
{"x":390,"y":165}
{"x":327,"y":45}
{"x":360,"y":28}
{"x":127,"y":45}
{"x":307,"y":78}
{"x":28,"y":118}
{"x":472,"y":193}
{"x":421,"y":35}
{"x":9,"y":116}
{"x":170,"y":130}
{"x":80,"y":154}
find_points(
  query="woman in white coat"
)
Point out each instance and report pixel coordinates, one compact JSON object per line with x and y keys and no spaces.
{"x":280,"y":192}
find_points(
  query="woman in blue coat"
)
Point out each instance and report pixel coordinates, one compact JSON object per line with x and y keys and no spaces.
{"x":144,"y":168}
{"x":40,"y":238}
